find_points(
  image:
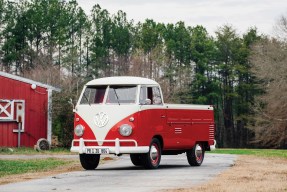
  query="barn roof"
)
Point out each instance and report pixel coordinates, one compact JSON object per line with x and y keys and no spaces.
{"x":29,"y":81}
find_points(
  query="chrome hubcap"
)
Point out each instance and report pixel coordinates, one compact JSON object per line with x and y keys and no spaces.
{"x":198,"y":153}
{"x":154,"y":153}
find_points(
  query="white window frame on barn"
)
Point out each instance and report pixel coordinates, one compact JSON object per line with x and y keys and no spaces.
{"x":4,"y":106}
{"x":20,"y":112}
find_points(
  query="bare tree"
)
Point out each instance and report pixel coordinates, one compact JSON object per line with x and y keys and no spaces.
{"x":270,"y":67}
{"x":280,"y":29}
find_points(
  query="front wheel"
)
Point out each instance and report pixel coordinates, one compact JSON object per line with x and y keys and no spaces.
{"x":152,"y":159}
{"x":195,"y":156}
{"x":89,"y":161}
{"x":136,"y":159}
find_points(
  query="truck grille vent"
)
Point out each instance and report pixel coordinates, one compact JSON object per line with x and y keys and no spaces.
{"x":177,"y":130}
{"x":211,"y":132}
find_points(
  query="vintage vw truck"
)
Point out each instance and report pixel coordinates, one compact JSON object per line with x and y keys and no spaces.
{"x":127,"y":115}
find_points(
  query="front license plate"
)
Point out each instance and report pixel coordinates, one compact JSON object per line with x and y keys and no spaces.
{"x":97,"y":151}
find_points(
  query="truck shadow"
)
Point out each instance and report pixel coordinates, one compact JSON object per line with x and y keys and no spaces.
{"x":141,"y":168}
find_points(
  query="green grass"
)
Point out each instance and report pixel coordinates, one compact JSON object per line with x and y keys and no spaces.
{"x":256,"y":152}
{"x":27,"y":151}
{"x":12,"y":167}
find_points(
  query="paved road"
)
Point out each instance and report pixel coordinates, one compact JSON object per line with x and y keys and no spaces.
{"x":120,"y":175}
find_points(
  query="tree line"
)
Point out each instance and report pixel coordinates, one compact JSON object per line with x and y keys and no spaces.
{"x":56,"y":42}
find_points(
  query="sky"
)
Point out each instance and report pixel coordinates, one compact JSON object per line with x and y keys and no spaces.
{"x":211,"y":14}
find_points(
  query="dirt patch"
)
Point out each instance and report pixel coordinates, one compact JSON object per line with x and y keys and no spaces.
{"x":107,"y":159}
{"x":250,"y":173}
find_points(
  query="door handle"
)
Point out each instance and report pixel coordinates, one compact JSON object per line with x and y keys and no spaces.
{"x":162,"y":116}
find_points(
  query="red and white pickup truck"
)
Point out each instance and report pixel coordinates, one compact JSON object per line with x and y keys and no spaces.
{"x":127,"y":115}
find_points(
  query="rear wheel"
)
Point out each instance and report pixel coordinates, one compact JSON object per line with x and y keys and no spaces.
{"x":89,"y":161}
{"x":136,"y":159}
{"x":152,"y":159}
{"x":195,"y":156}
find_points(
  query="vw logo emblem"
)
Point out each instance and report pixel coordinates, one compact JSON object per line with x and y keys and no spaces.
{"x":101,"y":119}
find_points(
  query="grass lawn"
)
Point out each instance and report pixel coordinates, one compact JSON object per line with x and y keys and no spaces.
{"x":256,"y":152}
{"x":12,"y":167}
{"x":16,"y":167}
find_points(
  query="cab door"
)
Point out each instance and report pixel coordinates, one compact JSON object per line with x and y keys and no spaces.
{"x":152,"y":112}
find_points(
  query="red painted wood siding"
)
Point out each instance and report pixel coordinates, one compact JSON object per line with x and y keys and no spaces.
{"x":36,"y":102}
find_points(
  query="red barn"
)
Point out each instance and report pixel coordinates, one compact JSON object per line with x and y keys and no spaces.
{"x":25,"y":105}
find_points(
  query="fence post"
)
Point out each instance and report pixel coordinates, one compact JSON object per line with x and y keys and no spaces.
{"x":19,"y":133}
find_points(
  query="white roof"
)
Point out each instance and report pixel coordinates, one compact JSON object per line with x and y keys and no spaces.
{"x":29,"y":81}
{"x":122,"y":80}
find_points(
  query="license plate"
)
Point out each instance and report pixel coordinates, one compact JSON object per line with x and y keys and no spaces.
{"x":97,"y":151}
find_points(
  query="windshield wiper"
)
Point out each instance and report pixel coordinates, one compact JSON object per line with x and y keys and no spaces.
{"x":117,"y":96}
{"x":87,"y":99}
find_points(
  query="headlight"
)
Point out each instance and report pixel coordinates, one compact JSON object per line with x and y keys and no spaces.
{"x":125,"y":130}
{"x":79,"y":130}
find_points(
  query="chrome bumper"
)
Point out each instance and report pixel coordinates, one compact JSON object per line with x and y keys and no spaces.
{"x":212,"y":147}
{"x":117,"y":149}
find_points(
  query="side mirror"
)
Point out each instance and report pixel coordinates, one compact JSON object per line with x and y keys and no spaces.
{"x":71,"y":102}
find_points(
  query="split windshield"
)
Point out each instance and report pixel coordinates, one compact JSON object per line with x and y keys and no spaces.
{"x":93,"y":95}
{"x":116,"y":95}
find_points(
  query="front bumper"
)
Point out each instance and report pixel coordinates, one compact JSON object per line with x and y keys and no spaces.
{"x":117,"y":149}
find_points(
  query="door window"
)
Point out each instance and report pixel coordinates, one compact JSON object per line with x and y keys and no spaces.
{"x":150,"y":95}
